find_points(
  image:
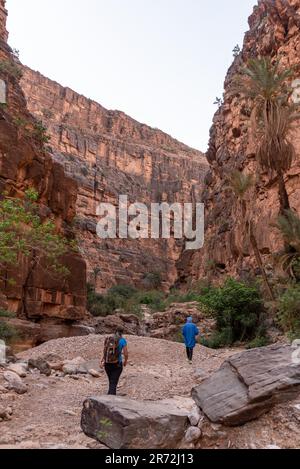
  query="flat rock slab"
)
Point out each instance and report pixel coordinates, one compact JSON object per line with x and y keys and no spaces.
{"x":121,"y":423}
{"x":248,"y":385}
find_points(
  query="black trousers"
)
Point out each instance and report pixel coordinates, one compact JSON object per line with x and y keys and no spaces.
{"x":190,"y":352}
{"x":113,"y":372}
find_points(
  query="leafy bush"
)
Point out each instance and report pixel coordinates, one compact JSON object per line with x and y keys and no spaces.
{"x":123,"y":297}
{"x":152,"y":280}
{"x":259,"y":341}
{"x":154,"y":299}
{"x":289,"y":310}
{"x":7,"y":332}
{"x":6,"y":314}
{"x":237,"y":308}
{"x":23,"y":232}
{"x":11,"y":68}
{"x":124,"y":291}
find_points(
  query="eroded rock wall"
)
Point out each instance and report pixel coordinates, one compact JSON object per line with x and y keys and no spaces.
{"x":24,"y":163}
{"x":109,"y":154}
{"x":274,"y":30}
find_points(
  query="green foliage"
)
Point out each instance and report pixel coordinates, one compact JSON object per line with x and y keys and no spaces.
{"x":236,"y":51}
{"x":11,"y":68}
{"x":259,"y":341}
{"x":152,"y":280}
{"x":124,"y":297}
{"x":289,"y":225}
{"x":237,"y":308}
{"x":7,"y":332}
{"x":6,"y":314}
{"x":40,"y":132}
{"x":289,"y":310}
{"x":23,"y":233}
{"x":240,"y":183}
{"x":124,"y":291}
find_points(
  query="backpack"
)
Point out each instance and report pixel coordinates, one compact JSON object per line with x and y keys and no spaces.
{"x":111,"y":349}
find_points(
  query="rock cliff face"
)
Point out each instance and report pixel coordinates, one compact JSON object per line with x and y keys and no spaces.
{"x":24,"y":163}
{"x":3,"y":16}
{"x":109,"y":154}
{"x":274,"y":30}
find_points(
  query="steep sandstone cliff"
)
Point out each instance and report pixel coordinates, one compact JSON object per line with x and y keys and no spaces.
{"x":274,"y":30}
{"x":24,"y":163}
{"x":109,"y":154}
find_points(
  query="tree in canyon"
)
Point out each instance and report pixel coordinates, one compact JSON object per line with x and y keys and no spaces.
{"x":241,"y":184}
{"x":23,"y":234}
{"x":269,"y":92}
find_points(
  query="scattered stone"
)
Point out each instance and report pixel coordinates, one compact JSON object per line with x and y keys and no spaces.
{"x":15,"y":383}
{"x":195,"y":416}
{"x":193,"y":434}
{"x":19,"y":368}
{"x":71,"y":413}
{"x":41,"y":365}
{"x":6,"y":413}
{"x":94,"y":373}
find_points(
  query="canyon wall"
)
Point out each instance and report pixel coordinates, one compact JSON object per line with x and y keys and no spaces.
{"x":274,"y":31}
{"x":24,"y":163}
{"x":110,"y":154}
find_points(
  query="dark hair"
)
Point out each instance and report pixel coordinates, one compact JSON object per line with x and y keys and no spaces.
{"x":120,"y":331}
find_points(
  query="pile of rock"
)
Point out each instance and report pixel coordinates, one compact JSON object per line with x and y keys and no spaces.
{"x":165,"y":325}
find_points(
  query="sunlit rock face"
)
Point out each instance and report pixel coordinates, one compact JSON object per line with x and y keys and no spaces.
{"x":24,"y":163}
{"x":274,"y":30}
{"x":110,"y":154}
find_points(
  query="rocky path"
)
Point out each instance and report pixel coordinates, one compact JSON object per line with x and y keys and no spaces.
{"x":48,"y":415}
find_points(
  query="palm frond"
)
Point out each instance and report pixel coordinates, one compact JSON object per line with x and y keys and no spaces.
{"x":240,"y":183}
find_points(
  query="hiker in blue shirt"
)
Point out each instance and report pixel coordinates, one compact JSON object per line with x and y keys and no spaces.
{"x":190,"y":331}
{"x":115,"y":348}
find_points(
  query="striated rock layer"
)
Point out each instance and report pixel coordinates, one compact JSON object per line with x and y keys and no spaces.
{"x":24,"y":163}
{"x":109,"y":154}
{"x":274,"y":30}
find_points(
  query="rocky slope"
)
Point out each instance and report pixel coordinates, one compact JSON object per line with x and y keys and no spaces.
{"x":24,"y":163}
{"x":109,"y":154}
{"x":150,"y":377}
{"x":274,"y":30}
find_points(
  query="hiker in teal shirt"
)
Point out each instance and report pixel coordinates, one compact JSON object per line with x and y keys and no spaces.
{"x":190,"y":332}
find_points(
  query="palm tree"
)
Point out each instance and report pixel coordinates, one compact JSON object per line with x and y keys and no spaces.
{"x":240,"y":184}
{"x":289,"y":225}
{"x":272,"y":117}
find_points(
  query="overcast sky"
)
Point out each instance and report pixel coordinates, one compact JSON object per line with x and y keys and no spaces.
{"x":163,"y":62}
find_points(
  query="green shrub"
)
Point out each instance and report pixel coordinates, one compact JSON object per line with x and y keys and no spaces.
{"x":123,"y":297}
{"x":260,"y":341}
{"x":289,"y":310}
{"x":7,"y":332}
{"x":6,"y":314}
{"x":11,"y":68}
{"x":237,"y":309}
{"x":124,"y":291}
{"x":152,"y":280}
{"x":154,"y":299}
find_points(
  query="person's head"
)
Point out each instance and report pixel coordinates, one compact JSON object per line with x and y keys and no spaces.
{"x":189,"y":320}
{"x":120,"y":331}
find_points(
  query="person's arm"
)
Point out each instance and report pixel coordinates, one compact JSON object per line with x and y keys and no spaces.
{"x":196,"y":331}
{"x":126,"y":355}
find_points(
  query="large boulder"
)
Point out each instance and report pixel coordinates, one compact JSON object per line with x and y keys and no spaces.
{"x":121,"y":423}
{"x":249,"y":384}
